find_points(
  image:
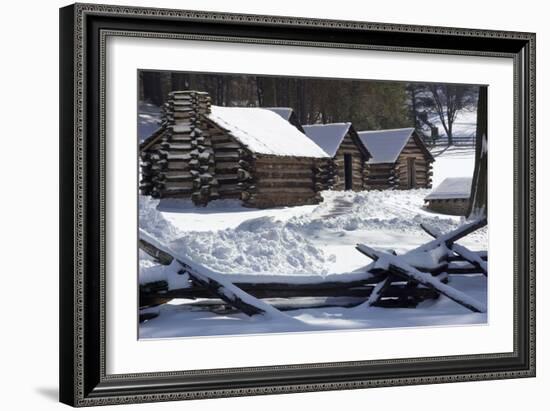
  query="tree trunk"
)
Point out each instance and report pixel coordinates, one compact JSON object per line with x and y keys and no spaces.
{"x":152,"y":90}
{"x":413,"y":107}
{"x":478,"y":195}
{"x":259,"y":92}
{"x":220,"y":90}
{"x":300,"y":97}
{"x":179,"y":82}
{"x":141,"y":86}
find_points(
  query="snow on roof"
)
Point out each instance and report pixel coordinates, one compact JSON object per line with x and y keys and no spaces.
{"x":284,"y":112}
{"x":452,"y":188}
{"x":327,"y":136}
{"x":264,"y":132}
{"x":385,"y":145}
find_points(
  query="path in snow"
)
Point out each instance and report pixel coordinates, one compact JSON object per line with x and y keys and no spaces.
{"x":339,"y":207}
{"x":220,"y":214}
{"x":314,"y":239}
{"x":317,"y":239}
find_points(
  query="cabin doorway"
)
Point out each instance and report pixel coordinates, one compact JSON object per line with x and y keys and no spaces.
{"x":411,"y":173}
{"x":348,"y":171}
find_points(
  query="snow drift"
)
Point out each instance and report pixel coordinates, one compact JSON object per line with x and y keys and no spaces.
{"x":302,"y":243}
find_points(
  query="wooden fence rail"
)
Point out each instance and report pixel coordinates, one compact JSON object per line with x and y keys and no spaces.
{"x":390,"y":281}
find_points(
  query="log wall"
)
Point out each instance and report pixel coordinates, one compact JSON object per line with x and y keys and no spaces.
{"x":379,"y":176}
{"x":348,"y":146}
{"x":396,"y":175}
{"x":449,"y":206}
{"x":232,"y":162}
{"x":422,"y":165}
{"x":280,"y":181}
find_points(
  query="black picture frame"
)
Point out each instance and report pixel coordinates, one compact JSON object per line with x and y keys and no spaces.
{"x":83,"y":381}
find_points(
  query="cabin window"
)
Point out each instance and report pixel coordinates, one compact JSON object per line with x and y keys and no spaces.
{"x":348,"y":170}
{"x":411,"y":173}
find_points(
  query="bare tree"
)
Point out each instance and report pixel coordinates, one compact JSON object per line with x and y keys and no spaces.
{"x":447,"y":100}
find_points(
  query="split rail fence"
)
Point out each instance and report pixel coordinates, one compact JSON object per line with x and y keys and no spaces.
{"x":390,"y":280}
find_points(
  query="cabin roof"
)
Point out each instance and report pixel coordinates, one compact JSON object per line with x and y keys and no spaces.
{"x":327,"y":136}
{"x":265,"y":132}
{"x":288,"y":114}
{"x":385,"y":145}
{"x":452,"y":188}
{"x":284,"y":112}
{"x":152,"y":139}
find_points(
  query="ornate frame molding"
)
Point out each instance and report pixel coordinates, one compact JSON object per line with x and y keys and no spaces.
{"x":83,"y":378}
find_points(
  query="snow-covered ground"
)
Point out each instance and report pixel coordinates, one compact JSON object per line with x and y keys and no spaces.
{"x":453,"y":162}
{"x":178,"y":319}
{"x":308,"y":240}
{"x":316,"y":239}
{"x":301,"y":241}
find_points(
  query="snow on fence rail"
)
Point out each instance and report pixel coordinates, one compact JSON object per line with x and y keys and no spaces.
{"x":213,"y":282}
{"x":399,"y":267}
{"x":460,"y":250}
{"x":389,"y":281}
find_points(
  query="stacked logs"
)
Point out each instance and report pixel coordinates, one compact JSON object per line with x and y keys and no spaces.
{"x":181,"y":163}
{"x":422,"y":173}
{"x":379,"y":176}
{"x":422,"y":167}
{"x":151,"y":165}
{"x":193,"y":156}
{"x":280,"y":181}
{"x":325,"y":174}
{"x":234,"y":165}
{"x":247,"y":182}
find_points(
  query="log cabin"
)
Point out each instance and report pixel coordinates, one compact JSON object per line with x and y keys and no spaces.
{"x":348,"y":155}
{"x":400,"y":160}
{"x":206,"y":152}
{"x":451,"y":197}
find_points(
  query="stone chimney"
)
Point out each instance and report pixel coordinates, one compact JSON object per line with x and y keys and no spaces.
{"x":184,"y":156}
{"x":185,"y":106}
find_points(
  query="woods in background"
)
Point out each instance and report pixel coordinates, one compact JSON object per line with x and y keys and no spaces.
{"x":369,"y":105}
{"x":443,"y":100}
{"x":431,"y":108}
